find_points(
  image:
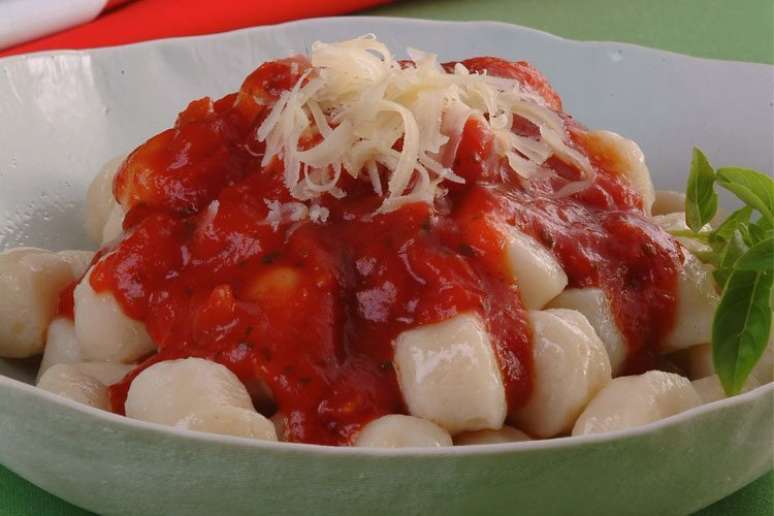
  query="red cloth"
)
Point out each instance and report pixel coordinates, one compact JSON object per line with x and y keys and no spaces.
{"x":151,"y":19}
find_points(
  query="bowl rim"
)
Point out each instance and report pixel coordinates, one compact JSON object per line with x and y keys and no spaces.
{"x":109,"y":418}
{"x":389,"y":20}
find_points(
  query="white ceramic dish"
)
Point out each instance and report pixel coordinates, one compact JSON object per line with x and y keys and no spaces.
{"x":65,"y":113}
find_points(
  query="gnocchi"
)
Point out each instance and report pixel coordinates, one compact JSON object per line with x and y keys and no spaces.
{"x":631,"y":401}
{"x":668,"y":201}
{"x":595,"y":307}
{"x":625,"y":158}
{"x":113,"y":225}
{"x":104,"y":332}
{"x":170,"y":391}
{"x":230,"y":420}
{"x":674,"y":222}
{"x":62,"y":345}
{"x":106,"y":372}
{"x":100,"y":202}
{"x":448,"y":374}
{"x":30,"y":282}
{"x":710,"y":389}
{"x":764,"y":369}
{"x":696,"y":361}
{"x":397,"y":431}
{"x":571,"y":366}
{"x":71,"y":382}
{"x":539,"y":275}
{"x":506,"y":434}
{"x":77,"y":260}
{"x":697,"y":300}
{"x":280,"y":426}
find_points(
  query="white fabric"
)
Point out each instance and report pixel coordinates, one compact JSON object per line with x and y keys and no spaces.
{"x":25,"y":20}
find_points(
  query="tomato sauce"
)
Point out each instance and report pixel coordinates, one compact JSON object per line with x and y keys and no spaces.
{"x":309,"y":312}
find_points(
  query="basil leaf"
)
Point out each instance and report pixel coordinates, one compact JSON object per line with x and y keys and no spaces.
{"x":687,"y":233}
{"x":723,"y":233}
{"x":741,"y":327}
{"x":749,"y":238}
{"x":759,"y":235}
{"x":758,"y":231}
{"x":701,"y":201}
{"x":713,"y":259}
{"x":727,"y":257}
{"x":759,"y":257}
{"x":765,"y":224}
{"x":753,"y":188}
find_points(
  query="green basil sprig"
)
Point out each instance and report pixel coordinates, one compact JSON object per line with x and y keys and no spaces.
{"x":701,"y":201}
{"x":742,"y":254}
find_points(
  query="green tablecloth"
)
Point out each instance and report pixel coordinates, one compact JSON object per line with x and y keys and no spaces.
{"x":741,"y":30}
{"x":724,"y":29}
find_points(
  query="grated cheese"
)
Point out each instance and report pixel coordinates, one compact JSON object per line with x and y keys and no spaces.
{"x":362,"y":103}
{"x":285,"y":213}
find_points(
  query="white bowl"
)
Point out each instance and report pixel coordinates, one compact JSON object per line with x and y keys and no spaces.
{"x":64,"y":113}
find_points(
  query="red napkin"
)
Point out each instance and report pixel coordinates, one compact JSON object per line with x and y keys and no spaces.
{"x":151,"y":19}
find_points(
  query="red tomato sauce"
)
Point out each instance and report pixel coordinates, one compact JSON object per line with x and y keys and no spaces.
{"x":311,"y":310}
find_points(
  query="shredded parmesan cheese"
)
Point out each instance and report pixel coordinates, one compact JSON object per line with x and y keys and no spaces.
{"x":285,"y":213}
{"x":371,"y":114}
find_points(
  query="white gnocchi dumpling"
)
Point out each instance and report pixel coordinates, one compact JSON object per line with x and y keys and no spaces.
{"x":448,"y":374}
{"x":62,"y":346}
{"x":30,"y":282}
{"x":104,"y":332}
{"x":764,"y":369}
{"x":570,"y":367}
{"x":626,"y":159}
{"x":710,"y":389}
{"x":631,"y":401}
{"x":100,"y":201}
{"x":535,"y":269}
{"x":398,"y":431}
{"x":114,"y":226}
{"x":106,"y":372}
{"x":169,"y":391}
{"x":696,"y":361}
{"x":78,"y":261}
{"x":594,"y":304}
{"x":668,"y":201}
{"x":230,"y":420}
{"x":280,"y":425}
{"x":69,"y":381}
{"x":506,"y":434}
{"x":672,"y":222}
{"x":697,"y":300}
